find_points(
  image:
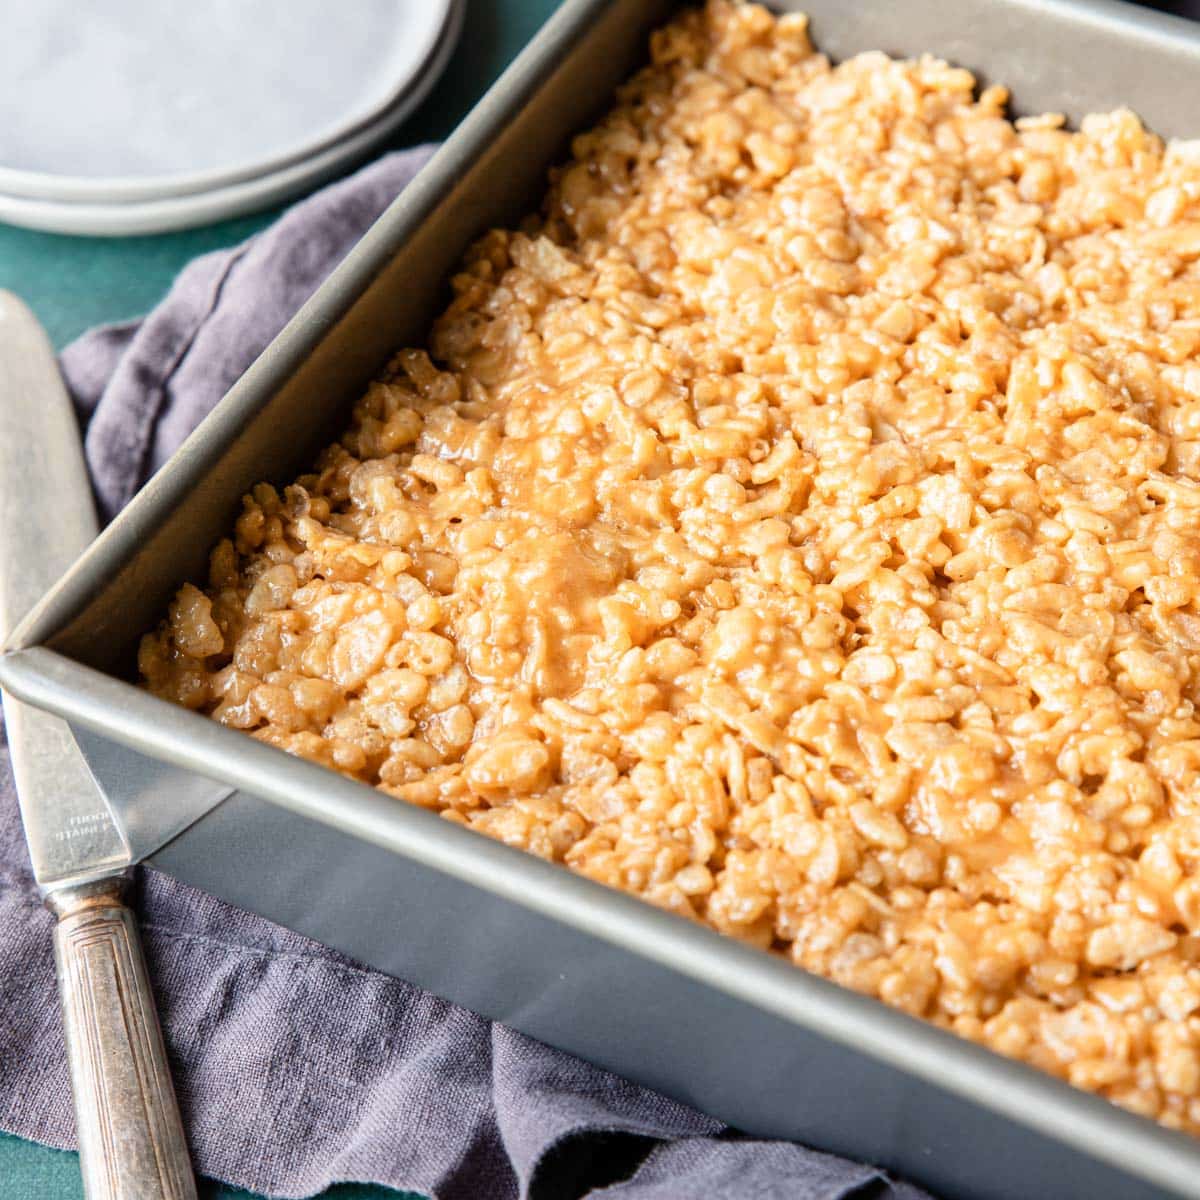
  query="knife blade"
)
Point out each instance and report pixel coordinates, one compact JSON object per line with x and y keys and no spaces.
{"x":46,"y":520}
{"x":131,"y":1139}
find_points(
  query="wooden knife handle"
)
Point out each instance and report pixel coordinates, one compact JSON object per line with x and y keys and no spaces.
{"x":131,"y":1142}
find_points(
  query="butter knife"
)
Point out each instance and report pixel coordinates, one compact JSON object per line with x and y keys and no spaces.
{"x":131,"y":1140}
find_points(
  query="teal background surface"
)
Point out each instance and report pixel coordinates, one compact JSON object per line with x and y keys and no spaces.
{"x":32,"y":1172}
{"x":74,"y":283}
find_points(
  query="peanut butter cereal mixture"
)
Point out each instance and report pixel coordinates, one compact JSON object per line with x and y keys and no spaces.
{"x":797,"y":526}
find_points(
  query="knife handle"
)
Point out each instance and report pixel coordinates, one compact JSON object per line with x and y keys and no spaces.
{"x":131,"y":1143}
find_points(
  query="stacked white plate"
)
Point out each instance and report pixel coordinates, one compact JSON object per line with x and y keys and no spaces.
{"x":141,"y":116}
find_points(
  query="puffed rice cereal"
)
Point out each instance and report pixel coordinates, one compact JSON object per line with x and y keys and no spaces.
{"x":797,"y":525}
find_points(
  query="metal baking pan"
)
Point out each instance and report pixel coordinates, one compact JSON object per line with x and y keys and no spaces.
{"x":720,"y":1025}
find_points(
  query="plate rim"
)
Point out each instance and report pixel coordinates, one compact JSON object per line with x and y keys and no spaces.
{"x":49,"y":187}
{"x":191,"y":210}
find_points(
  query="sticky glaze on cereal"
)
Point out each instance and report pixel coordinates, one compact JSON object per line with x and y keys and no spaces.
{"x":799,"y":529}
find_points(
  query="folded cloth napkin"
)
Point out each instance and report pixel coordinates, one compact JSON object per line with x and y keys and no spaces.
{"x":296,"y":1068}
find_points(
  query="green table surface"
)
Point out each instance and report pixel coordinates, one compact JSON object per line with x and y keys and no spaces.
{"x":73,"y":283}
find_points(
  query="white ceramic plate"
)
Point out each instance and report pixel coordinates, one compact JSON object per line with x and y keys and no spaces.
{"x":187,"y":209}
{"x":146,"y":99}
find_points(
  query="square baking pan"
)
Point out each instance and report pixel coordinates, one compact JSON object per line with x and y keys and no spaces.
{"x":730,"y":1029}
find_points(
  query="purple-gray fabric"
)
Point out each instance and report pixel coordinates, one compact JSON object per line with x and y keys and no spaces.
{"x":295,"y":1067}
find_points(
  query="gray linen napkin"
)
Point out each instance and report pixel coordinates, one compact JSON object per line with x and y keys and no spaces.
{"x":297,"y":1068}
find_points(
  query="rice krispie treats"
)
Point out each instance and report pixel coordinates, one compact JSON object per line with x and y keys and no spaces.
{"x":795,"y":525}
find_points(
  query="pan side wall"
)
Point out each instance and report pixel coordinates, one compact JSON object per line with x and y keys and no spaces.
{"x":621,"y":1011}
